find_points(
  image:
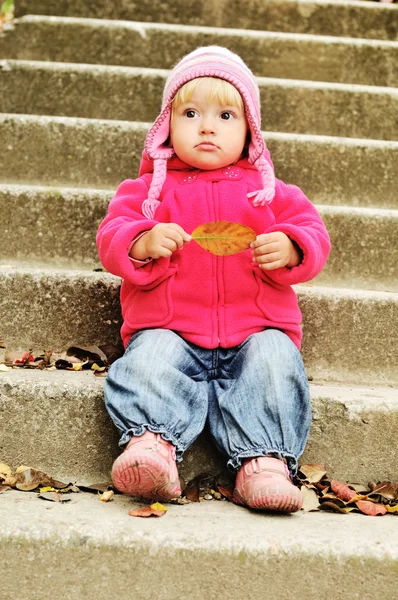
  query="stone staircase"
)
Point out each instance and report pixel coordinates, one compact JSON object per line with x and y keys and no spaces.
{"x":79,"y":84}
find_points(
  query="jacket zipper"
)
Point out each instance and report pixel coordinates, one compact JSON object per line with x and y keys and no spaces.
{"x":217,"y":258}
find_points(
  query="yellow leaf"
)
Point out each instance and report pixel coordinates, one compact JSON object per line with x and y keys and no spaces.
{"x":392,"y":509}
{"x":5,"y":469}
{"x":106,"y":496}
{"x":158,"y":506}
{"x":223,"y":237}
{"x":47,"y":489}
{"x":77,"y":367}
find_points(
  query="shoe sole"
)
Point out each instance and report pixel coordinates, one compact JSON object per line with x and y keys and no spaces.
{"x":143,"y":476}
{"x":273,"y":498}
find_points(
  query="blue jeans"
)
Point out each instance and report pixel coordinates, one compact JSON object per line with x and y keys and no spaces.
{"x":255,"y":397}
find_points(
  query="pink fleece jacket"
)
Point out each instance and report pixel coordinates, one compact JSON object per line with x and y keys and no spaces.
{"x":210,"y":300}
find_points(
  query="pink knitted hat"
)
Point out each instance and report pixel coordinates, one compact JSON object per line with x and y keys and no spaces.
{"x":209,"y":61}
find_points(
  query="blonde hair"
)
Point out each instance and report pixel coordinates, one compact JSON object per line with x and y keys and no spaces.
{"x":220,"y":91}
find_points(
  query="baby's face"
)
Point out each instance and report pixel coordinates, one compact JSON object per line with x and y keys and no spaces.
{"x":207,"y":135}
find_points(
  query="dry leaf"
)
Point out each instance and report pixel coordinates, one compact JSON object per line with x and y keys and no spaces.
{"x":388,"y":490}
{"x":4,"y":368}
{"x":21,"y":469}
{"x":45,"y":360}
{"x":392,"y":509}
{"x":226,"y":492}
{"x":155,"y":510}
{"x":333,"y":506}
{"x":192,"y":490}
{"x":223,"y":237}
{"x":28,"y":479}
{"x":313,"y":473}
{"x":310,"y":499}
{"x":4,"y":488}
{"x":342,"y":490}
{"x":106,"y":496}
{"x":371,"y":508}
{"x":26,"y":358}
{"x":5,"y":469}
{"x":95,"y":487}
{"x":88,"y":353}
{"x":53,"y":497}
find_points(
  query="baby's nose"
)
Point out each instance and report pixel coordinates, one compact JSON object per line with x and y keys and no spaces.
{"x":207,"y":126}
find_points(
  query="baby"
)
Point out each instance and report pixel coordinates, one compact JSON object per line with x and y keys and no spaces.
{"x":210,"y":339}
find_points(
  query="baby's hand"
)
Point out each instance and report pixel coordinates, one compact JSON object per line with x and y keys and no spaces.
{"x":274,"y":250}
{"x":162,"y":240}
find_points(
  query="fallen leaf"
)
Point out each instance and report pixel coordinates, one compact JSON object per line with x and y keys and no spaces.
{"x":106,"y":496}
{"x":4,"y":368}
{"x":359,"y":488}
{"x":21,"y":469}
{"x":386,"y":489}
{"x":310,"y":499}
{"x":63,"y":364}
{"x":26,"y":358}
{"x":313,"y":473}
{"x":342,"y":490}
{"x":88,"y":353}
{"x":223,"y":237}
{"x":226,"y":492}
{"x":45,"y":360}
{"x":191,"y":492}
{"x":95,"y":487}
{"x":97,"y":368}
{"x":5,"y":469}
{"x":28,"y":479}
{"x":112,"y":352}
{"x":53,"y":497}
{"x":392,"y":509}
{"x":10,"y":480}
{"x":155,"y":510}
{"x":4,"y":488}
{"x":371,"y":508}
{"x":329,"y":505}
{"x":100,"y":373}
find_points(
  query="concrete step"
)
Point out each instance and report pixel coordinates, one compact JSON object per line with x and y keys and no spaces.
{"x":287,"y":105}
{"x":43,"y":308}
{"x":362,"y":239}
{"x":336,"y":18}
{"x":194,"y":551}
{"x":59,"y":225}
{"x":101,"y":153}
{"x":51,"y":224}
{"x":66,"y":431}
{"x":282,"y":55}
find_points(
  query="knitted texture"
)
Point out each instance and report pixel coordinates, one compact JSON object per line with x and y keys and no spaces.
{"x":209,"y":61}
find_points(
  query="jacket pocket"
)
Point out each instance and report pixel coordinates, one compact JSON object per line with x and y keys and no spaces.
{"x":151,"y":306}
{"x":277,"y":302}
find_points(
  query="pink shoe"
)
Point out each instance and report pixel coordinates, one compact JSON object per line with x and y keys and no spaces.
{"x":265,"y":483}
{"x":147,"y":468}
